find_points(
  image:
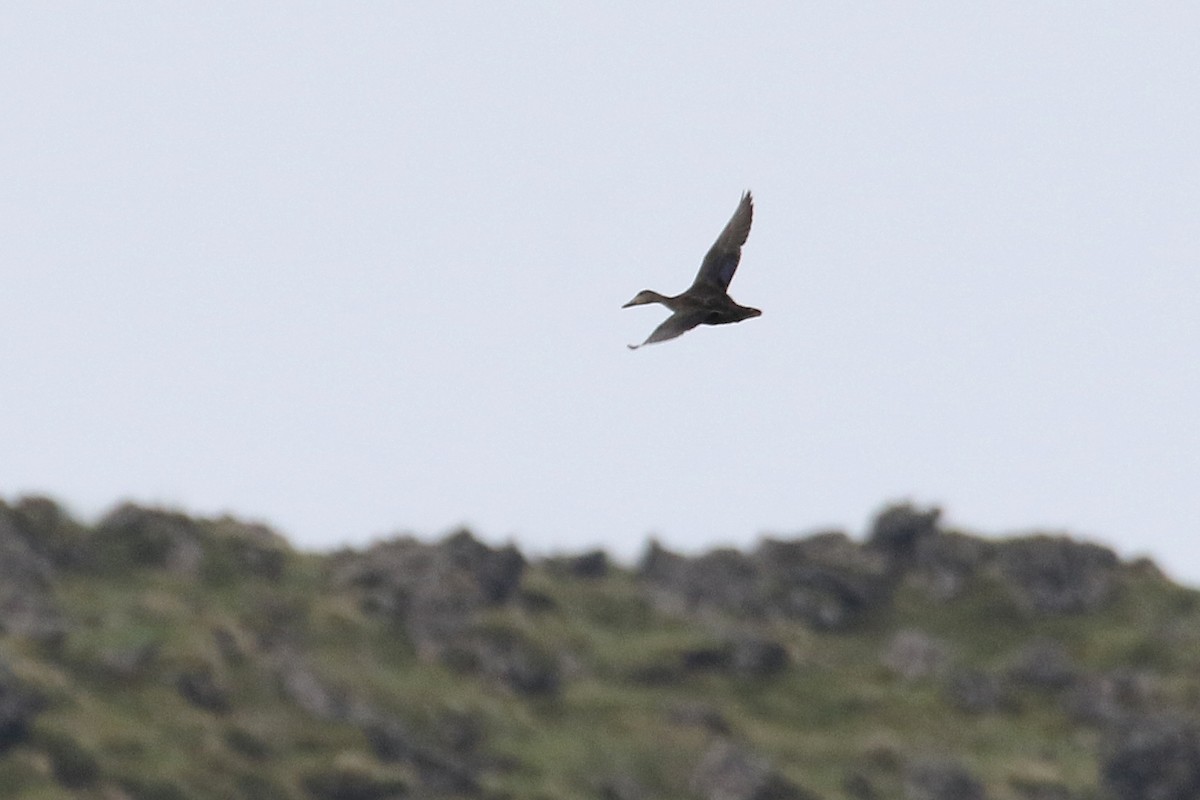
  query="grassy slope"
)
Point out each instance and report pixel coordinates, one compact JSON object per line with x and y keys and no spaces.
{"x":834,"y":710}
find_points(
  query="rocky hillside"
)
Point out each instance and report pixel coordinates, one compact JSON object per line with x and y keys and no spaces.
{"x":155,"y":656}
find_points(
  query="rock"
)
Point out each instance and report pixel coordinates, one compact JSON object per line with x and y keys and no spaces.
{"x":1154,"y":758}
{"x":913,"y":655}
{"x":977,"y":691}
{"x":127,"y":662}
{"x":941,"y":780}
{"x":390,"y":739}
{"x":148,"y":537}
{"x":460,"y":732}
{"x":497,"y":572}
{"x":899,"y":529}
{"x":393,"y":742}
{"x":1032,"y":789}
{"x":724,"y":580}
{"x":352,"y":782}
{"x":729,"y":772}
{"x":512,"y":659}
{"x":19,"y":705}
{"x":756,"y":657}
{"x":48,"y":530}
{"x":945,"y":562}
{"x":711,"y":658}
{"x":826,"y":580}
{"x":27,"y":604}
{"x":1109,"y":698}
{"x":1044,"y":665}
{"x":593,"y":564}
{"x":621,"y":786}
{"x":858,"y":786}
{"x":435,"y":591}
{"x":199,"y":686}
{"x":699,"y":715}
{"x":74,"y":765}
{"x":229,"y":645}
{"x":1056,"y":575}
{"x":300,"y":685}
{"x":250,"y":549}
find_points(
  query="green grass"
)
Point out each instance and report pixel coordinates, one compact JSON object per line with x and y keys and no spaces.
{"x":834,"y":711}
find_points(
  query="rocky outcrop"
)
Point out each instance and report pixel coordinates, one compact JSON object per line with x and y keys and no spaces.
{"x":826,"y":581}
{"x":1056,"y":575}
{"x":434,"y":592}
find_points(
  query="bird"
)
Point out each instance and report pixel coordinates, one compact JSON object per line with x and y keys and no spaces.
{"x":706,"y":301}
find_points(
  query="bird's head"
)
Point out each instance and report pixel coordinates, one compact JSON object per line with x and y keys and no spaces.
{"x":643,"y":297}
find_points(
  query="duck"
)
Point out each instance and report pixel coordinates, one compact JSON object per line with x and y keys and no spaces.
{"x":707,"y":300}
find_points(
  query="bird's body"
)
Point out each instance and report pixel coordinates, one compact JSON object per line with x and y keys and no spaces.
{"x":706,"y":301}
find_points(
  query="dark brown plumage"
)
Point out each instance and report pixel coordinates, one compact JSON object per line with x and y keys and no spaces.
{"x":706,"y":301}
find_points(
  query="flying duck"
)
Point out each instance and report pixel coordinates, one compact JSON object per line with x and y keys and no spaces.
{"x":706,"y":301}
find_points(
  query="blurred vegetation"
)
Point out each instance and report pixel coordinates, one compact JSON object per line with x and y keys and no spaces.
{"x":208,"y":660}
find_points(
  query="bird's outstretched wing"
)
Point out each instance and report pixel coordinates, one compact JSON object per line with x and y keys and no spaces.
{"x":677,"y":324}
{"x":716,"y":271}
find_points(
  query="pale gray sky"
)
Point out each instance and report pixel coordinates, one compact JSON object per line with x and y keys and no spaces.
{"x":357,"y":268}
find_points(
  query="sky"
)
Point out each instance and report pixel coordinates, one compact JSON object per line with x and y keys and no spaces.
{"x":357,"y":269}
